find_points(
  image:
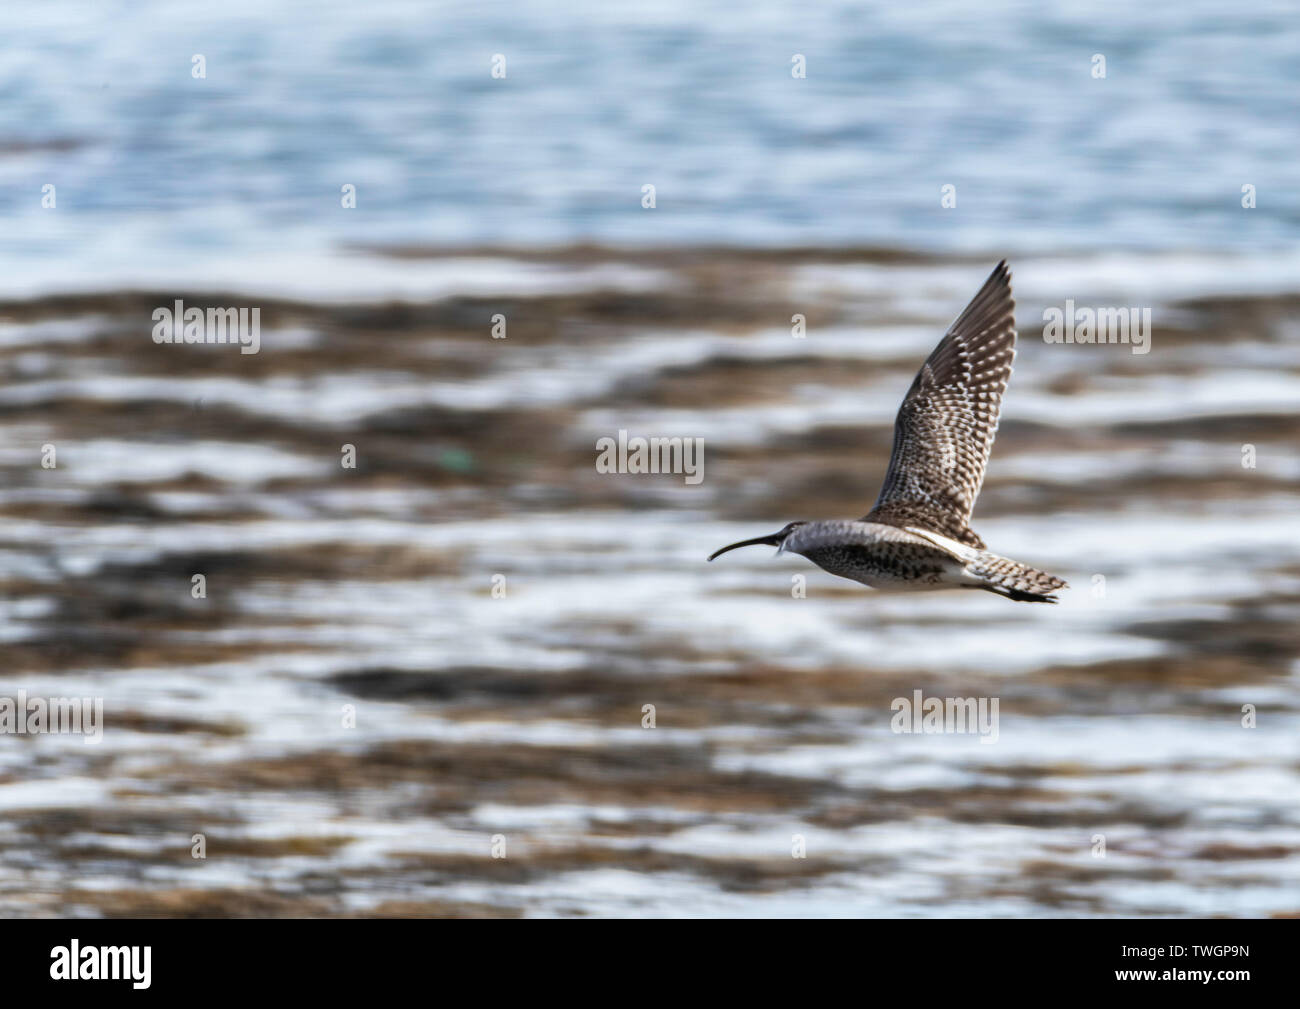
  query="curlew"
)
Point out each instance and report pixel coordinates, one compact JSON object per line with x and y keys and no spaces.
{"x":918,"y":536}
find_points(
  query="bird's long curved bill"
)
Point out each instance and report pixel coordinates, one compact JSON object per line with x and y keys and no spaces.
{"x":758,"y":541}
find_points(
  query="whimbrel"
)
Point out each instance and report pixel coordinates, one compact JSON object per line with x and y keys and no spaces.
{"x":918,"y":537}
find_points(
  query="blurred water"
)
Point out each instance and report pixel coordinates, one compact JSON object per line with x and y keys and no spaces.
{"x":521,"y":715}
{"x":164,"y":177}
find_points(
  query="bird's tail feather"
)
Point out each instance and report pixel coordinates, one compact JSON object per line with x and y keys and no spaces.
{"x":1014,"y":580}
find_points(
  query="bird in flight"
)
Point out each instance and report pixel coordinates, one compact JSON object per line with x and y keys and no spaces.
{"x":918,"y":537}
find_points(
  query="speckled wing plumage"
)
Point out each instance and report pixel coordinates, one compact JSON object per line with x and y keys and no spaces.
{"x":945,"y":428}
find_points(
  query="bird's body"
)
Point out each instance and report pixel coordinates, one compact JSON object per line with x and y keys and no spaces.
{"x":917,"y":537}
{"x":913,"y":560}
{"x":884,"y":557}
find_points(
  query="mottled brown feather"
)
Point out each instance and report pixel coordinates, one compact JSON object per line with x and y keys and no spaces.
{"x":945,"y":428}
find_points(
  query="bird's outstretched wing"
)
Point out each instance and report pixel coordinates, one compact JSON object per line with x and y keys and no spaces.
{"x":944,"y":430}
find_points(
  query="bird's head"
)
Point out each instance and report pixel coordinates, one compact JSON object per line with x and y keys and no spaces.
{"x":774,"y":540}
